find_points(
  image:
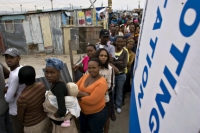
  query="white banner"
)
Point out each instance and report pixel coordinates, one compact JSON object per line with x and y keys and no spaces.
{"x":166,"y":86}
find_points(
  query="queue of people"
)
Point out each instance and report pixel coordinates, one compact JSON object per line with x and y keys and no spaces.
{"x":116,"y":56}
{"x":26,"y":106}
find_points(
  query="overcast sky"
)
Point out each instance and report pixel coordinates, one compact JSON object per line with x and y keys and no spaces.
{"x":7,"y":5}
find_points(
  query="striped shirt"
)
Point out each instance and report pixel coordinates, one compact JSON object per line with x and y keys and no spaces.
{"x":31,"y":102}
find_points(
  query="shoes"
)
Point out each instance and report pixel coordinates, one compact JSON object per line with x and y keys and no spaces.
{"x":113,"y":117}
{"x":66,"y":123}
{"x":119,"y":110}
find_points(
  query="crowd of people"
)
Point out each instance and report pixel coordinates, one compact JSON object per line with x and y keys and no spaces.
{"x":88,"y":105}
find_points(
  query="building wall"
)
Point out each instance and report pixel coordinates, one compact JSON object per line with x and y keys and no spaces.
{"x":66,"y":39}
{"x":36,"y":31}
{"x":16,"y":38}
{"x":88,"y":35}
{"x":46,"y":32}
{"x":2,"y":41}
{"x":2,"y":46}
{"x":64,"y":19}
{"x":27,"y":30}
{"x":56,"y":32}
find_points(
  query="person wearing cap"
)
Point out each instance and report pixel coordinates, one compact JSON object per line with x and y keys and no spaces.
{"x":5,"y":123}
{"x":104,"y":36}
{"x":13,"y":89}
{"x":60,"y":91}
{"x":30,"y":111}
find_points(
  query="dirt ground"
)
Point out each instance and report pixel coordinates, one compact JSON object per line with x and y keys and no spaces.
{"x":121,"y":125}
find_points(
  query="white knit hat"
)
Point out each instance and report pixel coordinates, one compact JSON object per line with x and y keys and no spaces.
{"x":72,"y":89}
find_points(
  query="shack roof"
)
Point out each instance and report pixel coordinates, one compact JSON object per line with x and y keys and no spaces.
{"x":40,"y":11}
{"x":34,"y":12}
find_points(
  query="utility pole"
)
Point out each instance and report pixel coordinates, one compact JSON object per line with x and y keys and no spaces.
{"x":72,"y":7}
{"x":139,"y":5}
{"x":35,"y":7}
{"x":52,"y":5}
{"x":127,"y":7}
{"x":69,"y":6}
{"x":21,"y":8}
{"x":43,"y":8}
{"x":13,"y":10}
{"x":110,"y":6}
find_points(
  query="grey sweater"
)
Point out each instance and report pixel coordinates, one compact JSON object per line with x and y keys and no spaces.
{"x":120,"y":62}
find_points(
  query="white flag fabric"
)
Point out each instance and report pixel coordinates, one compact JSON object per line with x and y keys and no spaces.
{"x":165,"y":95}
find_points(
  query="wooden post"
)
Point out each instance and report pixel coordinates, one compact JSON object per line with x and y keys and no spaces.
{"x":72,"y":61}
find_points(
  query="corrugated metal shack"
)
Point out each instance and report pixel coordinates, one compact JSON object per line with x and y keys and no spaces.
{"x":11,"y":30}
{"x":35,"y":32}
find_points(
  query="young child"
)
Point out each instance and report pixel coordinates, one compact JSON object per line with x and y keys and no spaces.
{"x":91,"y":49}
{"x":73,"y":91}
{"x":71,"y":103}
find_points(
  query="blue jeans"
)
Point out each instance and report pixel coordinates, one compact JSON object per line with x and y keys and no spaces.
{"x":119,"y":84}
{"x":5,"y":123}
{"x":93,"y":123}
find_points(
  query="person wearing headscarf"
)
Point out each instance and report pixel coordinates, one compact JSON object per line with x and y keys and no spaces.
{"x":58,"y":89}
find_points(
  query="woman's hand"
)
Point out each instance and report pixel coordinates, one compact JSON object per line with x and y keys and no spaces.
{"x":82,"y":94}
{"x":85,"y":94}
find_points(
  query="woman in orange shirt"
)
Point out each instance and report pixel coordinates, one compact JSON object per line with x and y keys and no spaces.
{"x":92,"y":90}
